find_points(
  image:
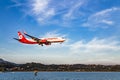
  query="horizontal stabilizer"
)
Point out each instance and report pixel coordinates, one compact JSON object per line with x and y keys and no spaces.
{"x":16,"y":39}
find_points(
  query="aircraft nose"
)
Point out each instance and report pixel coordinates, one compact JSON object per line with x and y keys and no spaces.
{"x":64,"y":39}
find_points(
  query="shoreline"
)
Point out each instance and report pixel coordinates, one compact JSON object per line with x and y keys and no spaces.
{"x":60,"y":71}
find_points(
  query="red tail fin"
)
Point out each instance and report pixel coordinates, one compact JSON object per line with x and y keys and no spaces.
{"x":21,"y":36}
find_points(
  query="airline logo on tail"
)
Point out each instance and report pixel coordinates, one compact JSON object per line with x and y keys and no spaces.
{"x":20,"y":35}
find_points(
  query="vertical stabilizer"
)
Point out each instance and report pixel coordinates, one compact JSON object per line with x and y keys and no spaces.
{"x":21,"y":36}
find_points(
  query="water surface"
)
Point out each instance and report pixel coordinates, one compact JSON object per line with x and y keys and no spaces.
{"x":60,"y":76}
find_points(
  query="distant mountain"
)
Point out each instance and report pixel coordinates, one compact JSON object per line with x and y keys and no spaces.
{"x":4,"y":63}
{"x":1,"y":60}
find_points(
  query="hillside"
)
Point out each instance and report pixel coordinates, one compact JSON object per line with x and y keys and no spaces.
{"x":9,"y":66}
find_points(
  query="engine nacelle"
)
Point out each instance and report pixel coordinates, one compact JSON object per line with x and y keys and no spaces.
{"x":47,"y":43}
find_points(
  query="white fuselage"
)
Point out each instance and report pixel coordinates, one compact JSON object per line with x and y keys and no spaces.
{"x":53,"y":40}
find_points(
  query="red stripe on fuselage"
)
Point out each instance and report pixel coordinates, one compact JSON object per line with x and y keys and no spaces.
{"x":27,"y":41}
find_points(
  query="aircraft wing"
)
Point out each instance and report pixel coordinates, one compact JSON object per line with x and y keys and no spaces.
{"x":34,"y":38}
{"x":39,"y":41}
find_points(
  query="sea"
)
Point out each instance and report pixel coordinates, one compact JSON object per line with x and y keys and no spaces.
{"x":60,"y":76}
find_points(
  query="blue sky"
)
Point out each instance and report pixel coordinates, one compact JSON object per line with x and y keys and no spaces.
{"x":91,"y":29}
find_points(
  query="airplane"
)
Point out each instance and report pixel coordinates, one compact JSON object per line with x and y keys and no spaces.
{"x":34,"y":40}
